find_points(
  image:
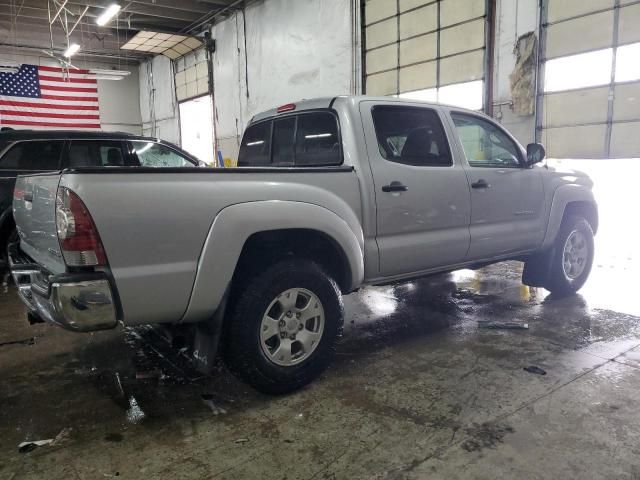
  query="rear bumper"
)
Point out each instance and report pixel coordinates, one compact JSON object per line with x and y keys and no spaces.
{"x":78,"y":302}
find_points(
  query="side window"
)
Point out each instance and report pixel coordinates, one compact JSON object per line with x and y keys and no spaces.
{"x":283,"y":140}
{"x":151,"y":154}
{"x":411,"y":135}
{"x":255,"y":149}
{"x":484,"y":144}
{"x":95,"y":153}
{"x":33,"y":155}
{"x":317,"y":140}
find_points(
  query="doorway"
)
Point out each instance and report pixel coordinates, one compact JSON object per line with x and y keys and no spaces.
{"x":196,"y":128}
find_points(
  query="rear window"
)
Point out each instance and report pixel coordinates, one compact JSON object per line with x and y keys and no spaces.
{"x":411,"y":135}
{"x":33,"y":155}
{"x":96,"y":153}
{"x":303,"y":140}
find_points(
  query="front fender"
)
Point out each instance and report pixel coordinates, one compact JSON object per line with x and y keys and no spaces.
{"x":564,"y":195}
{"x":235,"y":224}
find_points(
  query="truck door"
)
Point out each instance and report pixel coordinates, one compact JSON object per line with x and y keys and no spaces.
{"x":421,"y":193}
{"x":507,"y":198}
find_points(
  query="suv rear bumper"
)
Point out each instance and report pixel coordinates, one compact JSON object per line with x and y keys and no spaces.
{"x":79,"y":302}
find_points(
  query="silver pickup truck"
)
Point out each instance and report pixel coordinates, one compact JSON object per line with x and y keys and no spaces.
{"x":329,"y":195}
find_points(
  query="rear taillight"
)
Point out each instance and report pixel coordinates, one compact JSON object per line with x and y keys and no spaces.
{"x":78,"y":236}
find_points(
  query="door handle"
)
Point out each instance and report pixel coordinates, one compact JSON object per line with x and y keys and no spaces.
{"x":482,"y":183}
{"x":395,"y":186}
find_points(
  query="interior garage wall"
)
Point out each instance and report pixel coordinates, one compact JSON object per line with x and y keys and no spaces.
{"x":292,"y":50}
{"x":158,"y":104}
{"x":514,"y":18}
{"x":119,"y":100}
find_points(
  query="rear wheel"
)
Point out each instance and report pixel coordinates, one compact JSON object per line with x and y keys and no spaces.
{"x":572,"y":257}
{"x":283,"y":326}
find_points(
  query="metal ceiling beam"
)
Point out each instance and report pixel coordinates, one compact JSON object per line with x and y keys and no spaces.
{"x":143,"y":9}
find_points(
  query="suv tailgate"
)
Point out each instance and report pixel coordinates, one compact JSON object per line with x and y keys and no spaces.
{"x":34,"y":210}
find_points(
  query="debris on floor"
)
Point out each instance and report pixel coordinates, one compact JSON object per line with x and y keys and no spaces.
{"x":534,"y":369}
{"x":62,"y":437}
{"x":26,"y":447}
{"x":145,"y":375}
{"x":241,"y":441}
{"x":25,"y":341}
{"x":502,"y":325}
{"x":134,"y":414}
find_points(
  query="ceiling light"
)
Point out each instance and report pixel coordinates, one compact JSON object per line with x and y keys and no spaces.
{"x":71,"y":50}
{"x":111,"y":11}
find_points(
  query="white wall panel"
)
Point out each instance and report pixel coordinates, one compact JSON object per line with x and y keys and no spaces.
{"x":382,"y":33}
{"x":625,"y":141}
{"x":379,"y":9}
{"x":626,"y":104}
{"x":468,"y":36}
{"x":462,"y":68}
{"x":576,"y":107}
{"x":580,"y":35}
{"x":418,"y":77}
{"x":456,"y":11}
{"x":575,"y":142}
{"x":158,"y":104}
{"x":418,"y":22}
{"x":563,"y":9}
{"x":419,"y":49}
{"x":629,"y":24}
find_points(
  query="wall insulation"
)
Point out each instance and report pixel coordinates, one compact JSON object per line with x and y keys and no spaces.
{"x":291,"y":50}
{"x":158,"y":104}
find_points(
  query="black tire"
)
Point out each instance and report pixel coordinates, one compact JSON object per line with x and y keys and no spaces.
{"x":243,"y":346}
{"x":559,"y":283}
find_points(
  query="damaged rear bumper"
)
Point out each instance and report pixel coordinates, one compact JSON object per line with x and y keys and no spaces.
{"x":81,"y":302}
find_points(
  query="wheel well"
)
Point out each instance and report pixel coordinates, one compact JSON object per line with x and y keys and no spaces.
{"x":264,"y":248}
{"x":587,"y":210}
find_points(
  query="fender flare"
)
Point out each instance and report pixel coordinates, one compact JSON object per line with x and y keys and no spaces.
{"x":233,"y":226}
{"x":563,"y":196}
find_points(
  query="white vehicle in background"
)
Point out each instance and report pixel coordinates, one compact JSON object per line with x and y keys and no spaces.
{"x":330,"y":195}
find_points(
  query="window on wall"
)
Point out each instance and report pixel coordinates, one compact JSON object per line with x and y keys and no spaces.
{"x":192,"y":75}
{"x":416,"y":46}
{"x":466,"y":95}
{"x":628,"y":63}
{"x":578,"y":71}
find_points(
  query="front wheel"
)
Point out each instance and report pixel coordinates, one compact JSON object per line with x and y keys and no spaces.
{"x":283,"y":326}
{"x":572,"y":257}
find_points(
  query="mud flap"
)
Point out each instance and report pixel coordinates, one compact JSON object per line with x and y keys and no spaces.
{"x":537,"y":268}
{"x":205,"y":346}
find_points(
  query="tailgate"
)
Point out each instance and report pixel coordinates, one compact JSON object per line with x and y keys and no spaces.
{"x":34,"y":210}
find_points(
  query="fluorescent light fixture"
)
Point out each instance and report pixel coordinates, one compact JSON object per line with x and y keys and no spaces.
{"x":102,"y":74}
{"x":319,"y":135}
{"x":111,"y":11}
{"x":253,"y":144}
{"x":71,"y":50}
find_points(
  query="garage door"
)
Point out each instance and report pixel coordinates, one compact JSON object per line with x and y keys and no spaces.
{"x":192,"y":75}
{"x":431,"y":50}
{"x":589,"y":101}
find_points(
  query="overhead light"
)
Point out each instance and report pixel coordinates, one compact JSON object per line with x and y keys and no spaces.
{"x":111,"y":11}
{"x":71,"y":50}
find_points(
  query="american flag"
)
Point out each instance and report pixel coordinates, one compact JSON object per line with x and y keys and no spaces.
{"x":43,"y":98}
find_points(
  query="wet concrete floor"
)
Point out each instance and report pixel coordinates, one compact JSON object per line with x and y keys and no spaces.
{"x":419,"y":389}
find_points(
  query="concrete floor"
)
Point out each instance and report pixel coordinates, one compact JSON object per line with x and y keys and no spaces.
{"x":418,"y":390}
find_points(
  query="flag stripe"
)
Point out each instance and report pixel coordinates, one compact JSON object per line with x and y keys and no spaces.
{"x":66,"y":80}
{"x":70,"y":98}
{"x":10,"y":103}
{"x":49,"y":124}
{"x":57,"y":88}
{"x":69,"y":116}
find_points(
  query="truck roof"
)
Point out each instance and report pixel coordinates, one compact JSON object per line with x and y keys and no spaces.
{"x":326,"y":102}
{"x":11,"y":135}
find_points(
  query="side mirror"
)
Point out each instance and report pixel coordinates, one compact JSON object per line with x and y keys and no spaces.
{"x":535,"y":153}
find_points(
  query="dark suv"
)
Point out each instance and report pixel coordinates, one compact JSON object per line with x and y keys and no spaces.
{"x":28,"y":151}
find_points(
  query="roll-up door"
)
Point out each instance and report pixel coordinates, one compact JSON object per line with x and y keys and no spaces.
{"x":589,"y":99}
{"x":192,"y":75}
{"x":425,"y":49}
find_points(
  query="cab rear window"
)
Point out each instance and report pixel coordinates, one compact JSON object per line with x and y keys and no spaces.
{"x":303,"y":140}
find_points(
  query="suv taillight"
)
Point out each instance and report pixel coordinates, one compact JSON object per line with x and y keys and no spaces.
{"x":78,"y":236}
